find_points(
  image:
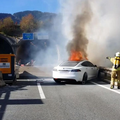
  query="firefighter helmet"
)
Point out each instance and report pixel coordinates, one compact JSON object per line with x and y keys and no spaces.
{"x":118,"y":54}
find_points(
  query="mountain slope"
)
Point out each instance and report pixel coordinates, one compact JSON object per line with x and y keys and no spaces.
{"x":38,"y":15}
{"x":5,"y":15}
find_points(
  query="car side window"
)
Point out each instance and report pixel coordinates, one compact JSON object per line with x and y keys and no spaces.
{"x":90,"y":64}
{"x":84,"y":64}
{"x":87,"y":64}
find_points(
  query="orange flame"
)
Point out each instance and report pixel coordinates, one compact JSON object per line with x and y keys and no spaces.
{"x":76,"y":56}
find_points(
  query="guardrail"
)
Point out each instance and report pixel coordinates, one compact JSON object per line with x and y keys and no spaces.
{"x":106,"y":70}
{"x":104,"y":73}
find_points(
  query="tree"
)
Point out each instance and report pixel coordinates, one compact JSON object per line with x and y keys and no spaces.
{"x":28,"y":24}
{"x":1,"y":26}
{"x":8,"y":22}
{"x":7,"y":26}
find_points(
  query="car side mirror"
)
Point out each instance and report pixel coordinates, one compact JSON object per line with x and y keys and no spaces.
{"x":95,"y":65}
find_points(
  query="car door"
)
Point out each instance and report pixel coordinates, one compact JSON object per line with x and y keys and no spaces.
{"x":88,"y":69}
{"x":93,"y":69}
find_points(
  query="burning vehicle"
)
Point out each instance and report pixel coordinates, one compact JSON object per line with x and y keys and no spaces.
{"x":77,"y":68}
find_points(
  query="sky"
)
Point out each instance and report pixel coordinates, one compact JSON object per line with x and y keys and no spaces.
{"x":13,"y":6}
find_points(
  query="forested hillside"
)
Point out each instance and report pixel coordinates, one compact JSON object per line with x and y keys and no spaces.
{"x":26,"y":21}
{"x":38,"y":15}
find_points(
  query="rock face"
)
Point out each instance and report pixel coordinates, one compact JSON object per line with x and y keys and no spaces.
{"x":2,"y":83}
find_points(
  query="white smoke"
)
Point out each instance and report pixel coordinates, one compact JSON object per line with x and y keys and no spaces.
{"x":102,"y":31}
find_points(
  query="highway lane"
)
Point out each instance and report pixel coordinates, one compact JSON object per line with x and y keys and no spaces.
{"x":69,"y":101}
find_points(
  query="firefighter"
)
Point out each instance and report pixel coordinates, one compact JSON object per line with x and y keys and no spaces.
{"x":115,"y":70}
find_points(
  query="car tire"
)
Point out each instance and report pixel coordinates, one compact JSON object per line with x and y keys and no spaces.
{"x":84,"y":80}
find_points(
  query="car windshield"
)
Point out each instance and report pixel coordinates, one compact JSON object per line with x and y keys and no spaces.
{"x":69,"y":63}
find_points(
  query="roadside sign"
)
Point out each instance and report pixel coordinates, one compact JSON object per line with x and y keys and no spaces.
{"x":28,"y":36}
{"x":4,"y":65}
{"x":41,"y":36}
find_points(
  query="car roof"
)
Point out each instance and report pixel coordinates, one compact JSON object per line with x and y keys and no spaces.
{"x":80,"y":62}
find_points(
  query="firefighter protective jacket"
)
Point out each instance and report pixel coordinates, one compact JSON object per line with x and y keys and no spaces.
{"x":116,"y":63}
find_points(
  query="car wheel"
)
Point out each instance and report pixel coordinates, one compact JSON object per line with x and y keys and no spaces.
{"x":84,"y":80}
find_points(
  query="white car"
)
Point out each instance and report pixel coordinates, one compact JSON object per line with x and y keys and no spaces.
{"x":79,"y":71}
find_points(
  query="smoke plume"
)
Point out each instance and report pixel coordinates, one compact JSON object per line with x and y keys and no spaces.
{"x":93,"y":27}
{"x":80,"y":41}
{"x":89,"y":26}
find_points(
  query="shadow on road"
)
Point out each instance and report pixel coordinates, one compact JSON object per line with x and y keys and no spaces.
{"x":89,"y":82}
{"x":5,"y":99}
{"x":27,"y":75}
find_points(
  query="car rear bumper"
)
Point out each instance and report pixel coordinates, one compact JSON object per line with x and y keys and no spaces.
{"x":67,"y":76}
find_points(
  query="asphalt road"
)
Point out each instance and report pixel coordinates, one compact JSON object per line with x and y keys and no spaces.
{"x":43,"y":99}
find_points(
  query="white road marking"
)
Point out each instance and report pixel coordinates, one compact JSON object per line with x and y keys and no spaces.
{"x":28,"y":81}
{"x":106,"y":88}
{"x":42,"y":95}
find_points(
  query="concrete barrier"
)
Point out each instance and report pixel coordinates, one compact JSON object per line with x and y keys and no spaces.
{"x":2,"y":83}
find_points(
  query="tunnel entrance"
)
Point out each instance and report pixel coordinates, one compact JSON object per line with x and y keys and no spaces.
{"x":5,"y":45}
{"x":29,"y":49}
